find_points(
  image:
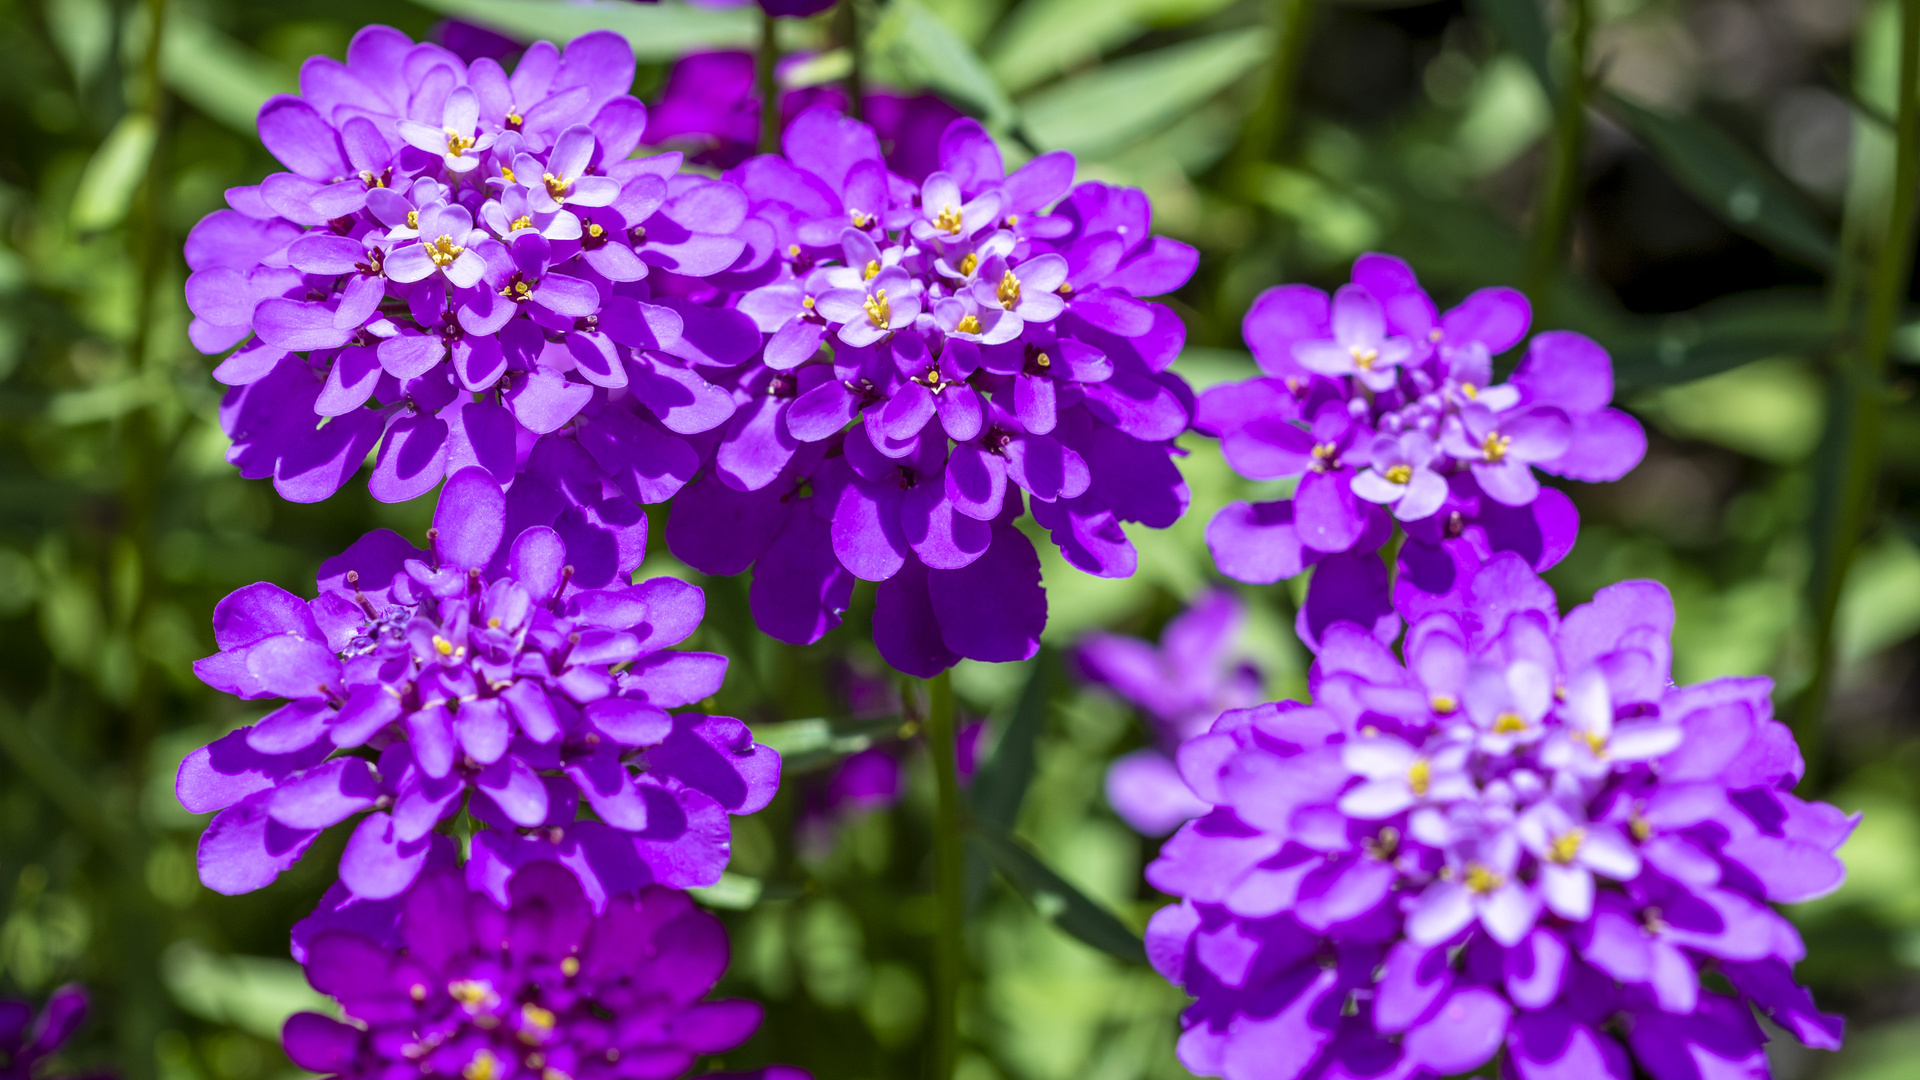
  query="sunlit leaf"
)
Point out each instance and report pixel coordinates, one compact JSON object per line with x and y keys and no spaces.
{"x":1100,"y":111}
{"x":114,"y":174}
{"x":815,"y":743}
{"x":1729,"y":179}
{"x":662,"y":31}
{"x":1047,"y":37}
{"x":1522,"y":27}
{"x":733,"y":892}
{"x":1721,"y":335}
{"x":1057,"y":901}
{"x":1001,"y":784}
{"x":253,"y":993}
{"x":218,"y":75}
{"x":929,"y":50}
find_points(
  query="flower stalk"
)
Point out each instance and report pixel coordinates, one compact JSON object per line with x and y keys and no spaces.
{"x":949,"y":871}
{"x":1266,"y":125}
{"x":1560,"y":191}
{"x":768,"y":59}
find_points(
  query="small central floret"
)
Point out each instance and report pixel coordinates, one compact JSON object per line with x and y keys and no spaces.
{"x":1494,"y":446}
{"x":873,"y":269}
{"x":1400,"y":474}
{"x":1363,"y":357}
{"x":1508,"y":722}
{"x":1009,"y":291}
{"x":1482,"y":880}
{"x":1567,"y":846}
{"x":968,"y":324}
{"x":524,"y":221}
{"x":948,"y":220}
{"x":1325,"y":456}
{"x":458,"y":144}
{"x":1419,"y":776}
{"x":969,"y":264}
{"x":443,"y":251}
{"x":879,"y":312}
{"x":557,"y":186}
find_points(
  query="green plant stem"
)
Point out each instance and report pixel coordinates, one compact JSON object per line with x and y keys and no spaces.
{"x":1560,"y":190}
{"x":769,"y":59}
{"x":850,"y":28}
{"x":1266,"y":125}
{"x":949,"y":879}
{"x":1856,"y":416}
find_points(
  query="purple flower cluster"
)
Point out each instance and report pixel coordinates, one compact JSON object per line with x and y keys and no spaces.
{"x":478,"y":675}
{"x":1181,"y":687}
{"x":1521,"y":836}
{"x":460,"y":262}
{"x":28,"y":1038}
{"x":540,"y":986}
{"x":984,"y":344}
{"x":1386,"y":410}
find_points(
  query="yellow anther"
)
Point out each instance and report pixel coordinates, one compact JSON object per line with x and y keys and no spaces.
{"x":458,"y":144}
{"x":873,"y":269}
{"x":1323,"y":455}
{"x":514,"y":118}
{"x":444,"y":648}
{"x":967,"y":325}
{"x":1566,"y":846}
{"x":535,"y":1016}
{"x":1596,"y":742}
{"x":793,"y":251}
{"x":556,"y":186}
{"x":372,"y":181}
{"x":475,"y":994}
{"x":1443,"y":703}
{"x":807,"y":302}
{"x":1482,"y":880}
{"x":484,"y":1066}
{"x":1508,"y":722}
{"x":949,"y":220}
{"x":417,"y":992}
{"x":969,"y":264}
{"x":1434,"y":335}
{"x":1012,"y":220}
{"x":443,"y":251}
{"x":1472,"y":391}
{"x":522,"y":288}
{"x":506,"y":173}
{"x":493,"y":623}
{"x":1419,"y":776}
{"x":413,"y":219}
{"x":1399,"y":474}
{"x":859,"y":219}
{"x":879,"y":312}
{"x":1495,"y":445}
{"x":1009,"y":291}
{"x":594,"y":230}
{"x":1641,"y":830}
{"x":524,"y":221}
{"x":1363,"y":358}
{"x":570,"y":966}
{"x":1043,"y":361}
{"x":1384,"y":846}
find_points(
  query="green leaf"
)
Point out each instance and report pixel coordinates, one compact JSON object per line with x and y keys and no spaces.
{"x":218,"y":75}
{"x":1726,"y":176}
{"x":1001,"y":783}
{"x":253,"y":993}
{"x":658,"y":32}
{"x":1721,"y":335}
{"x":928,"y":50}
{"x":733,"y":892}
{"x":815,"y":743}
{"x":1057,"y":901}
{"x":1102,"y":110}
{"x":114,"y":174}
{"x":1522,"y":27}
{"x":1046,"y":37}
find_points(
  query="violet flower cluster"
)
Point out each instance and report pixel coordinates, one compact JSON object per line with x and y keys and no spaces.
{"x":543,"y":985}
{"x":1387,"y":411}
{"x":985,"y":345}
{"x":29,"y":1037}
{"x":476,"y":675}
{"x":1180,"y":687}
{"x":1522,"y":837}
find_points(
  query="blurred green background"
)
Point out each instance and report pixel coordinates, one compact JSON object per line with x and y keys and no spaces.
{"x":1736,"y":154}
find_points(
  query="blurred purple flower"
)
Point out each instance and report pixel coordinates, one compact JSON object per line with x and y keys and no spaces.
{"x":1376,"y":401}
{"x":459,"y":985}
{"x":478,"y":676}
{"x":28,"y":1038}
{"x":1180,"y":687}
{"x":1522,"y":836}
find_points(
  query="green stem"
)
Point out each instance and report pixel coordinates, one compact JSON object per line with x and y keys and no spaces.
{"x":1856,"y":416}
{"x":769,"y":87}
{"x":1560,"y":191}
{"x":1266,"y":125}
{"x":857,"y":74}
{"x":949,"y":879}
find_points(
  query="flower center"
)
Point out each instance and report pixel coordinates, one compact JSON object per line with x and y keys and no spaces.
{"x":506,"y":173}
{"x":1363,"y":357}
{"x":1472,"y":391}
{"x":1009,"y":291}
{"x":969,"y":264}
{"x":1384,"y":846}
{"x":514,"y":120}
{"x":878,"y":310}
{"x":873,"y":269}
{"x":1507,"y":723}
{"x":968,"y":325}
{"x":443,"y":251}
{"x":948,"y":219}
{"x":1323,"y":457}
{"x":859,"y":219}
{"x":1400,"y":474}
{"x":475,"y":994}
{"x":539,"y":1023}
{"x":1596,"y":742}
{"x":1639,"y":826}
{"x":570,"y":966}
{"x":1482,"y":880}
{"x":372,"y":181}
{"x":458,"y":144}
{"x":484,"y":1066}
{"x":1420,"y":776}
{"x":556,"y":186}
{"x":1495,"y":445}
{"x":413,"y":219}
{"x":1567,"y":846}
{"x":524,"y":221}
{"x":1443,"y":703}
{"x":517,"y":291}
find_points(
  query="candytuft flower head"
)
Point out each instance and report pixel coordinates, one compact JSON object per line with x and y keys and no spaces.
{"x":1181,"y":687}
{"x":458,"y":985}
{"x":1519,"y":835}
{"x":938,"y":359}
{"x":1385,"y":409}
{"x":475,"y":675}
{"x":27,"y":1038}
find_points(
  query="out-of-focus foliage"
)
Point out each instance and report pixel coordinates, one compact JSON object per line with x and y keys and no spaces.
{"x":1727,"y":139}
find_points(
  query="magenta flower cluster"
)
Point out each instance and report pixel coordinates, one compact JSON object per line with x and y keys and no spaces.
{"x":1517,"y":836}
{"x":1386,"y":410}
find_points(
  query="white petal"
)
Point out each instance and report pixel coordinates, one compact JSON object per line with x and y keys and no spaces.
{"x":1441,"y":912}
{"x":1378,"y":759}
{"x":1643,"y":741}
{"x":1509,"y":913}
{"x":1377,"y":799}
{"x":1606,"y":852}
{"x":1568,"y":889}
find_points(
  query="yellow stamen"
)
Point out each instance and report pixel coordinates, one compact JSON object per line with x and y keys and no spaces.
{"x":570,"y":966}
{"x":969,"y":264}
{"x":1383,"y":846}
{"x":879,"y":312}
{"x":807,"y":302}
{"x":444,"y":648}
{"x":417,"y":992}
{"x":473,"y":993}
{"x":1434,"y":335}
{"x":413,"y":219}
{"x":1641,"y":830}
{"x":1495,"y":445}
{"x":458,"y":144}
{"x":1482,"y":880}
{"x":443,"y":251}
{"x":482,"y":1067}
{"x":793,"y":251}
{"x":556,"y":186}
{"x":493,"y":623}
{"x":1043,"y":361}
{"x":1596,"y":742}
{"x":535,"y":1016}
{"x":594,"y":230}
{"x":1323,"y":455}
{"x":948,"y":219}
{"x":372,"y":181}
{"x":1567,"y":846}
{"x":514,"y":118}
{"x":1508,"y":722}
{"x":1399,"y":474}
{"x":1012,"y":220}
{"x":968,"y":325}
{"x":1009,"y":291}
{"x":1419,"y":776}
{"x":524,"y":221}
{"x":506,"y":173}
{"x":1472,"y":391}
{"x":859,"y":219}
{"x":873,"y":269}
{"x":1443,"y":704}
{"x":1363,"y":358}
